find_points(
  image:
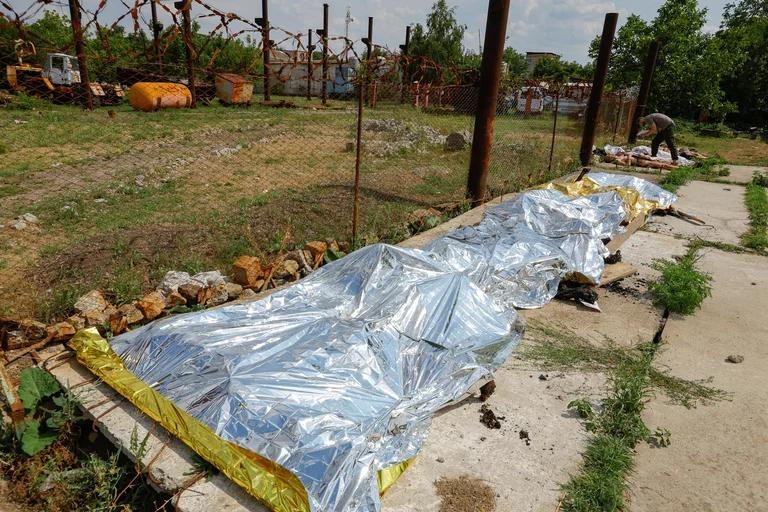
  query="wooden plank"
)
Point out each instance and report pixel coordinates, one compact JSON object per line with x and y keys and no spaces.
{"x":616,"y":272}
{"x":636,"y":224}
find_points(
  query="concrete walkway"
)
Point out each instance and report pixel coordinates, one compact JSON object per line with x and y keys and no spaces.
{"x":718,"y":459}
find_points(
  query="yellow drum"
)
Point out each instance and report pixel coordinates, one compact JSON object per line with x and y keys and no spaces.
{"x":149,"y":96}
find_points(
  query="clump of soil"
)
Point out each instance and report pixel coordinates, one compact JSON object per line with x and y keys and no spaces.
{"x":489,"y":418}
{"x":465,"y":494}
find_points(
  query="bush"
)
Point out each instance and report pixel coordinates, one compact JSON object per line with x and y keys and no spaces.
{"x":681,"y":288}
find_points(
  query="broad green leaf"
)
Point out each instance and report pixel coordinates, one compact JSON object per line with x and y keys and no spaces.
{"x":331,"y":255}
{"x":32,"y":441}
{"x":35,"y":385}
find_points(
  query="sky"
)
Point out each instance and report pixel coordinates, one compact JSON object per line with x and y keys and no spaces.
{"x":565,"y":27}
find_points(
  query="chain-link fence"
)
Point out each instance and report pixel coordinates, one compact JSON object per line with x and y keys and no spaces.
{"x":267,"y":159}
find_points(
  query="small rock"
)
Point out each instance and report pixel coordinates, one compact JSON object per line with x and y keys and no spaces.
{"x":29,"y":218}
{"x":176,"y":299}
{"x":94,"y":318}
{"x":247,"y":271}
{"x":543,"y":377}
{"x":458,"y":141}
{"x":91,"y":301}
{"x":248,"y":294}
{"x":15,"y":340}
{"x":76,"y":321}
{"x":100,"y":200}
{"x":61,"y":331}
{"x":118,"y":323}
{"x":172,"y":280}
{"x":219,"y":296}
{"x":233,"y":290}
{"x":190,"y":290}
{"x":440,"y":460}
{"x":316,"y":248}
{"x":139,"y":180}
{"x":288,"y":269}
{"x":151,"y":305}
{"x":131,"y":313}
{"x":735,"y":359}
{"x":34,"y":330}
{"x":19,"y":225}
{"x":210,"y":278}
{"x":525,"y":437}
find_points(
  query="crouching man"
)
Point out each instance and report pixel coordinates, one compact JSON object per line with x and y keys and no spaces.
{"x":662,"y":128}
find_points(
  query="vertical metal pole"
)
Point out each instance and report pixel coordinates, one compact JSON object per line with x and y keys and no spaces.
{"x":310,"y":49}
{"x":186,"y":7}
{"x":645,"y":89}
{"x":358,"y":144}
{"x":325,"y":54}
{"x":598,"y":84}
{"x":554,"y":129}
{"x":405,"y":80}
{"x":77,"y":34}
{"x":485,"y":117}
{"x":619,"y":100}
{"x":156,"y":27}
{"x":266,"y":49}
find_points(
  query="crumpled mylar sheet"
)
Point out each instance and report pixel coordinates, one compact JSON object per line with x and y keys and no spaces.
{"x":317,"y":397}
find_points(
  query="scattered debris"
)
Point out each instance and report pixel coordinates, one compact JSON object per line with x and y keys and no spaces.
{"x":525,"y":437}
{"x":465,"y":494}
{"x":489,"y":418}
{"x":152,"y":305}
{"x":543,"y":377}
{"x":577,"y":291}
{"x":735,"y":359}
{"x":613,"y":258}
{"x":487,"y":389}
{"x":227,"y":151}
{"x":440,"y":460}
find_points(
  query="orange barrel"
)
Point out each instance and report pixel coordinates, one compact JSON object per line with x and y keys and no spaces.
{"x":149,"y":96}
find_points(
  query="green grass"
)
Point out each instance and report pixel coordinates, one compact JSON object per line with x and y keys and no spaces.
{"x":556,"y":347}
{"x":59,"y":303}
{"x":756,"y":201}
{"x":681,"y":288}
{"x":602,"y":484}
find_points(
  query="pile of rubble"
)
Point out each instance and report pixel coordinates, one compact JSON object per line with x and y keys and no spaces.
{"x":179,"y":292}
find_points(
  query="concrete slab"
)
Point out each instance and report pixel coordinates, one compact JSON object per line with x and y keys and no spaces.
{"x":525,"y":477}
{"x":743,"y":173}
{"x":718,"y":459}
{"x":720,"y":206}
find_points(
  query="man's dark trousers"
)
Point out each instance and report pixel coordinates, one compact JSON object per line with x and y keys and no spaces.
{"x":666,"y":135}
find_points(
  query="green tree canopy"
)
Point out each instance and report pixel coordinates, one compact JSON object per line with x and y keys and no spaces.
{"x":517,"y":65}
{"x":440,"y":41}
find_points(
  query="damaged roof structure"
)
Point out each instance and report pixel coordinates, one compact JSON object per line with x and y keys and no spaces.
{"x":320,"y":395}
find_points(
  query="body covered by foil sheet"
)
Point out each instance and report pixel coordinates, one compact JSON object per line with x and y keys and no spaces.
{"x":337,"y":376}
{"x":523,"y":247}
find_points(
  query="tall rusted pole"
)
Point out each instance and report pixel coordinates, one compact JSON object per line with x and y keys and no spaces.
{"x":368,"y":41}
{"x":266,"y":46}
{"x":186,"y":6}
{"x":310,"y":71}
{"x":77,"y":34}
{"x":325,"y":54}
{"x":156,"y":28}
{"x":554,"y":128}
{"x":405,"y":81}
{"x":598,"y":84}
{"x":645,"y":89}
{"x":485,"y":117}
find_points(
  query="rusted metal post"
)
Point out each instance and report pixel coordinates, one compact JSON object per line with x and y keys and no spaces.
{"x":404,"y":80}
{"x":324,"y":39}
{"x":310,"y":72}
{"x":554,"y":129}
{"x":645,"y":89}
{"x":358,"y":143}
{"x":485,"y":117}
{"x":266,"y":46}
{"x":186,"y":6}
{"x":77,"y":34}
{"x":598,"y":84}
{"x":156,"y":28}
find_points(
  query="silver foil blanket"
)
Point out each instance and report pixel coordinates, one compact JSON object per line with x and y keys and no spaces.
{"x":524,"y":247}
{"x":339,"y":375}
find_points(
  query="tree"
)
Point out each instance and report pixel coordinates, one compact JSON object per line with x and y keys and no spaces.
{"x":745,"y":31}
{"x":689,"y":69}
{"x":517,"y":65}
{"x":439,"y":43}
{"x":552,"y":68}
